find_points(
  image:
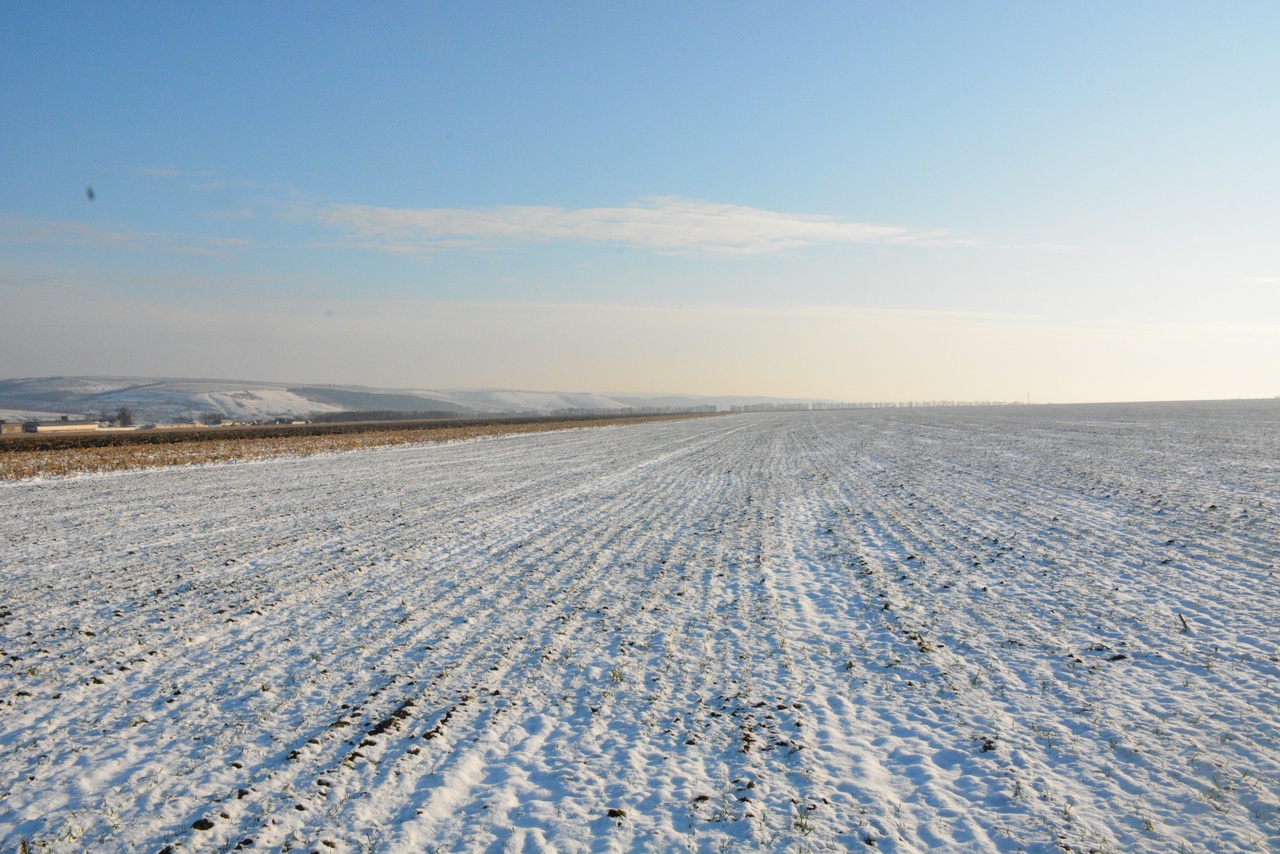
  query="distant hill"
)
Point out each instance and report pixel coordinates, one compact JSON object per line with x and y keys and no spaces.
{"x":376,"y":400}
{"x":166,"y":400}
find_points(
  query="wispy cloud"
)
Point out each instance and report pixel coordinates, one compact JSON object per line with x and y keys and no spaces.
{"x":170,"y":172}
{"x":212,"y":247}
{"x":27,"y":230}
{"x":662,"y":224}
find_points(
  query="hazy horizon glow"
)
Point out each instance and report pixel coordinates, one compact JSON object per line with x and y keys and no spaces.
{"x":856,"y":202}
{"x":884,"y":355}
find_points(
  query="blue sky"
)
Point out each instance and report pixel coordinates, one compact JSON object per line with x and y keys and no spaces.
{"x":1074,"y":201}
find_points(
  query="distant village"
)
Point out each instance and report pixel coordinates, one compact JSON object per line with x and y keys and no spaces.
{"x":122,"y":422}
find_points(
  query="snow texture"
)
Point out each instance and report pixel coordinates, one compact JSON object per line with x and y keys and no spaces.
{"x":902,"y":630}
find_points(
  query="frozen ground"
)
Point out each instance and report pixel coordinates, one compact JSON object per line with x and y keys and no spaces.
{"x":884,"y":630}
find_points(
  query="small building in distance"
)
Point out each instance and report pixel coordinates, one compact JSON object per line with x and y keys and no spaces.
{"x":66,"y":425}
{"x":9,"y":427}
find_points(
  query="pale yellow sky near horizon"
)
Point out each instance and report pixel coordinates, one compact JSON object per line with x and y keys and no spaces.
{"x":828,"y":353}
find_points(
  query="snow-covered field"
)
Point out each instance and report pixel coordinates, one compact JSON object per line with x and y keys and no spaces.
{"x":896,"y":630}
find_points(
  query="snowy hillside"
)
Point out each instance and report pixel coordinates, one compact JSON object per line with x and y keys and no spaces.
{"x":1042,"y":630}
{"x":155,"y":400}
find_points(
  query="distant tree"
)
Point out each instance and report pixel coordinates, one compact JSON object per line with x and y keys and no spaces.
{"x":211,"y":418}
{"x":124,"y":417}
